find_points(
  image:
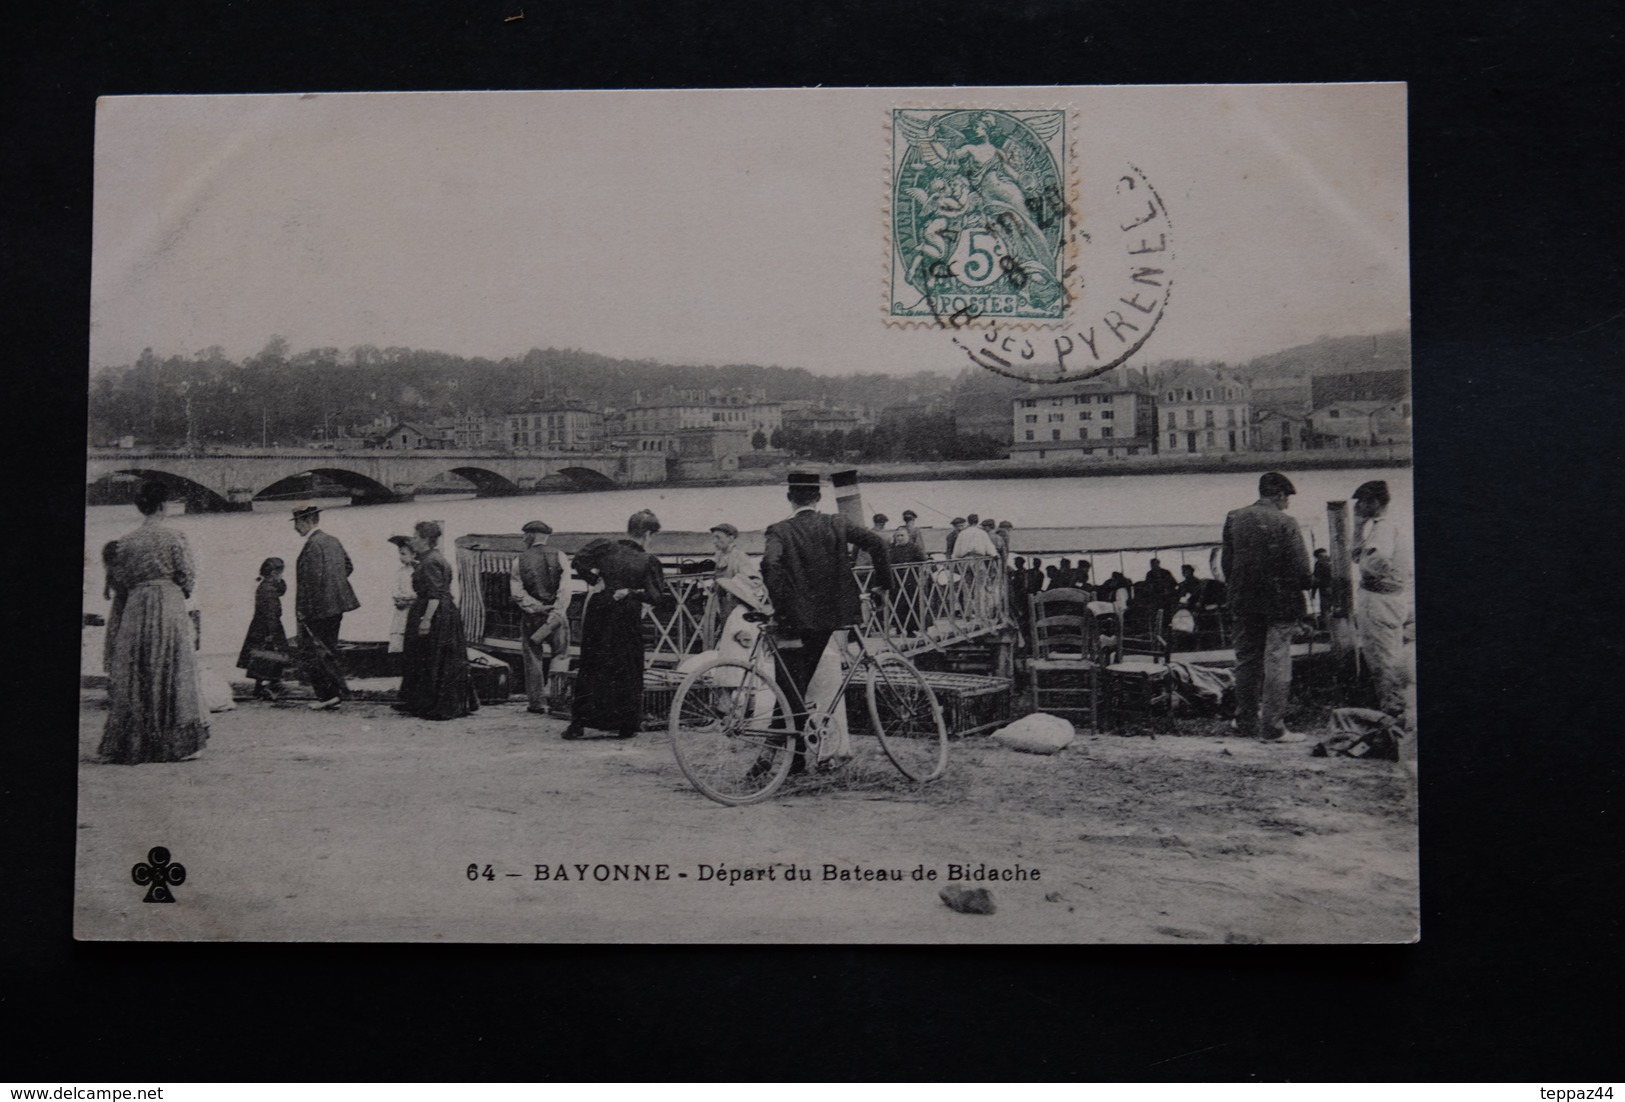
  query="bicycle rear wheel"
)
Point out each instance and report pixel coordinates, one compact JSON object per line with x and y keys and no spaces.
{"x":906,"y":717}
{"x":722,"y":732}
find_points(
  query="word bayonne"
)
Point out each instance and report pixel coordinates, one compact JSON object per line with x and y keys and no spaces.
{"x":729,"y":875}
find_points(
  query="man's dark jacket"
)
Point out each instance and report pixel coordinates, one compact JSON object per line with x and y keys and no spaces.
{"x":808,"y":571}
{"x":1266,"y":568}
{"x":324,"y":579}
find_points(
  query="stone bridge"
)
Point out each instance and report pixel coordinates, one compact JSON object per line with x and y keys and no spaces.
{"x":227,"y":481}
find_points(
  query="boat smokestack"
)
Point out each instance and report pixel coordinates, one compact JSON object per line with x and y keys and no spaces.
{"x":848,"y":498}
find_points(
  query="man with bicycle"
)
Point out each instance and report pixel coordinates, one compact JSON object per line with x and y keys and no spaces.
{"x":807,"y":568}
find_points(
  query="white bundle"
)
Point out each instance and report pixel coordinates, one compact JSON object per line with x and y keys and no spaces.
{"x":1039,"y":733}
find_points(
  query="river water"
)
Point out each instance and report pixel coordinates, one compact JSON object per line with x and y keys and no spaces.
{"x":229,"y":547}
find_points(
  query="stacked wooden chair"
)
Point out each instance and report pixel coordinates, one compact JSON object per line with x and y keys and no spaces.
{"x":1065,"y":664}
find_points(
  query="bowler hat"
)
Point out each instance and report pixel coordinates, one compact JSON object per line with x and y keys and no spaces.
{"x":726,"y":529}
{"x":306,"y":511}
{"x":540,"y":526}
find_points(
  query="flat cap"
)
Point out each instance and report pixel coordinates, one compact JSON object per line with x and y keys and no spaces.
{"x":910,"y":514}
{"x":802,"y":478}
{"x":726,"y":529}
{"x":541,"y":526}
{"x":1376,"y":490}
{"x":1274,"y":482}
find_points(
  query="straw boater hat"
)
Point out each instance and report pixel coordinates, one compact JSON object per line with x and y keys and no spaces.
{"x":306,"y":511}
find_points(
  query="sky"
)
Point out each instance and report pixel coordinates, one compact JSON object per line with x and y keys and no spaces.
{"x":702,"y":226}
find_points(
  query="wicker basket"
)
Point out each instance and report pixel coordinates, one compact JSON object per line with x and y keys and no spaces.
{"x":971,"y":705}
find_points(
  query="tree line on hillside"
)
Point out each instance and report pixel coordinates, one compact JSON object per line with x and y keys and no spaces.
{"x":913,"y":437}
{"x":279,"y":396}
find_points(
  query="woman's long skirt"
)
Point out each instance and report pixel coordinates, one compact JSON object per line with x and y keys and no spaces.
{"x":435,"y":682}
{"x":153,"y":698}
{"x":609,"y":676}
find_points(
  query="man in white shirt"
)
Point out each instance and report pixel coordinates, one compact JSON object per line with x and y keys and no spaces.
{"x":975,"y":597}
{"x":974,"y":540}
{"x":1382,"y":598}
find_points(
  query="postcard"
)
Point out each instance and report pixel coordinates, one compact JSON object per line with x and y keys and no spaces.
{"x":781,"y":516}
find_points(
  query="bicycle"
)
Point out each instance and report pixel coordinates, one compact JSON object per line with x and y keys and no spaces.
{"x":732,"y":725}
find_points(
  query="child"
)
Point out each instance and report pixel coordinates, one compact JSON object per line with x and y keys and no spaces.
{"x":265,"y":648}
{"x":403,"y":595}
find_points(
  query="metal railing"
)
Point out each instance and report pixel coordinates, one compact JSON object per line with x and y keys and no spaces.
{"x":934,"y":605}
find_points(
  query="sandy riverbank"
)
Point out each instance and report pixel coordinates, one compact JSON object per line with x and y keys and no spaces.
{"x":363,"y":824}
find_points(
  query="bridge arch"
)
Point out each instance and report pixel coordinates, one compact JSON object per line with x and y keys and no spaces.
{"x":486,"y":483}
{"x":585,"y":478}
{"x":197,"y":497}
{"x":296,"y":485}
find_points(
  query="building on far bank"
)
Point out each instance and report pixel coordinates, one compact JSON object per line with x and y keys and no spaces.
{"x":556,"y":424}
{"x":654,"y":422}
{"x":1280,"y":430}
{"x":412,"y":436}
{"x":1359,"y":424}
{"x":1361,"y":409}
{"x":1203,"y":411}
{"x":1101,"y":419}
{"x":818,"y":417}
{"x":1360,"y":386}
{"x":707,"y":452}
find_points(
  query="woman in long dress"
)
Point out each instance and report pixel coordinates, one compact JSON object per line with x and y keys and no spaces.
{"x":435,"y":682}
{"x":154,"y":706}
{"x":609,"y":677}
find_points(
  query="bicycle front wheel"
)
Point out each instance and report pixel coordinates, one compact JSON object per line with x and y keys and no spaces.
{"x":724,"y":735}
{"x":907,"y":718}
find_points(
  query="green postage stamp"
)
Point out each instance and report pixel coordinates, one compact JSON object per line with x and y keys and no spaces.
{"x":979,"y":214}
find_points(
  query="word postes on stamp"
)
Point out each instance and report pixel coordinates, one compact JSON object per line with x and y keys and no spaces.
{"x":979,"y":218}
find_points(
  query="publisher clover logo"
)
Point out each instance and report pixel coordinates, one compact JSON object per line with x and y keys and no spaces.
{"x":157,"y":873}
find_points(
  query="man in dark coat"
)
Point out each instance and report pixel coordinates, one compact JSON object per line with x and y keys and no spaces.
{"x":323,"y":597}
{"x":807,"y":568}
{"x":538,"y":585}
{"x":1266,"y":570}
{"x":1158,"y":590}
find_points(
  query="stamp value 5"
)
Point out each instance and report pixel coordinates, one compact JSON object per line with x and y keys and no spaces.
{"x":979,"y":217}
